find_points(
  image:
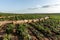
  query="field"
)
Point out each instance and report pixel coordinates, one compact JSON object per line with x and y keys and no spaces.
{"x":40,"y":26}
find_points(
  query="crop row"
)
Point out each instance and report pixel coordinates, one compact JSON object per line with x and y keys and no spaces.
{"x":49,"y":29}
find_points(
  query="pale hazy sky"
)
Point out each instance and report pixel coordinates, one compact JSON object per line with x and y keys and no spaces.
{"x":30,"y":6}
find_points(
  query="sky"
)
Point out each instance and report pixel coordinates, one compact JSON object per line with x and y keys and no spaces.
{"x":30,"y":6}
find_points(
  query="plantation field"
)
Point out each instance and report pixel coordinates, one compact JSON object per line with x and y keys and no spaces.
{"x":4,"y":16}
{"x":43,"y":29}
